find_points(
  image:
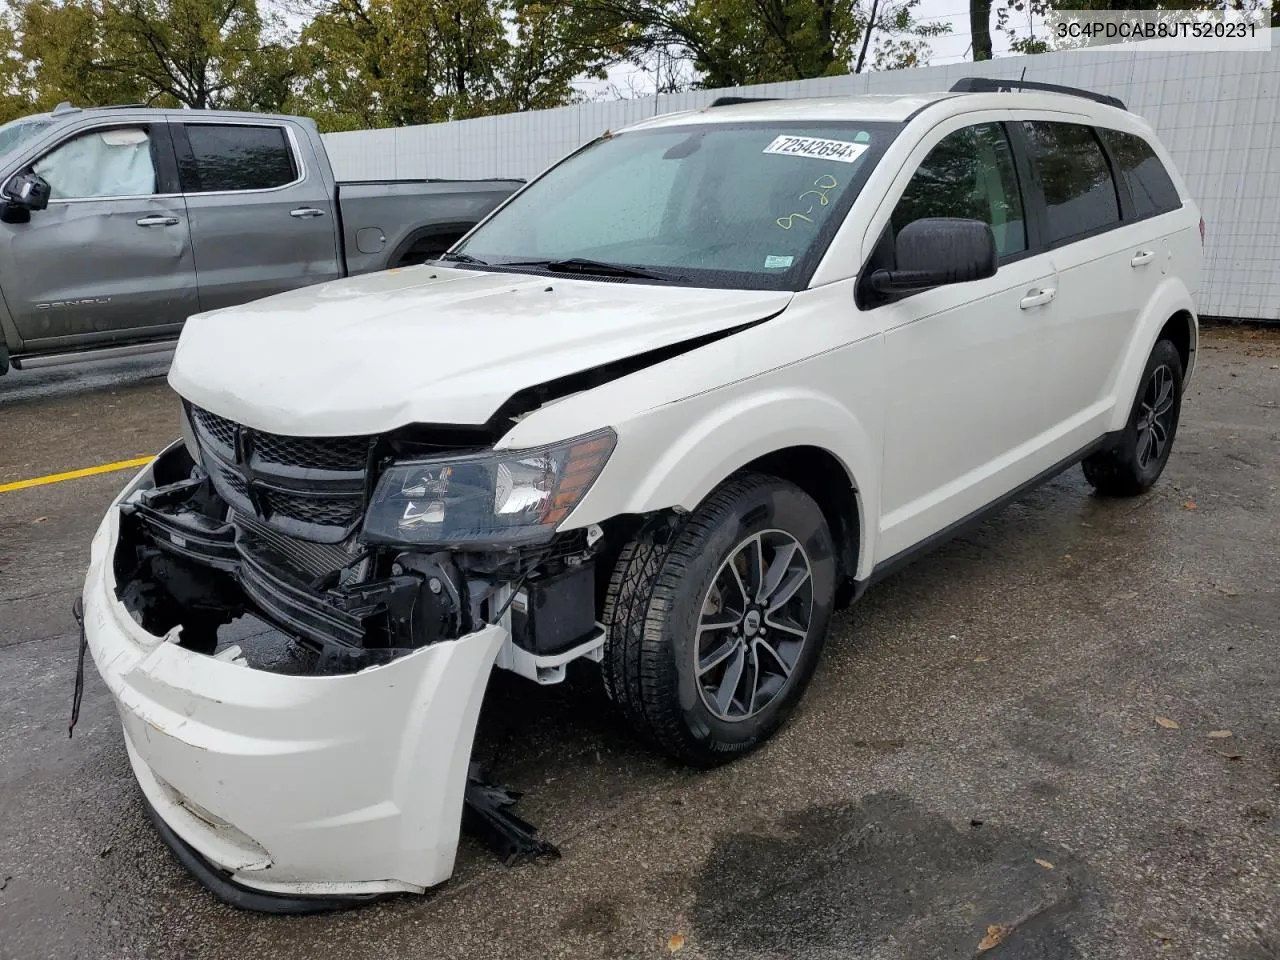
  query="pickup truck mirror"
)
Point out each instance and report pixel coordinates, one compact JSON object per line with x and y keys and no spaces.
{"x":937,"y":251}
{"x":22,"y":194}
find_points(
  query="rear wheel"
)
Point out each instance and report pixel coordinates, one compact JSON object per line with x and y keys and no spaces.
{"x":1134,"y":464}
{"x":716,"y":623}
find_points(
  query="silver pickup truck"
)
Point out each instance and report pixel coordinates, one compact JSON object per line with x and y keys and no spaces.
{"x":118,"y":223}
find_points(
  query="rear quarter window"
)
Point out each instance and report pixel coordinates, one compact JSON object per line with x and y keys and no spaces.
{"x":1149,"y":182}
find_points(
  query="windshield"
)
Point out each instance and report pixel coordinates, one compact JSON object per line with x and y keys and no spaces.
{"x":717,"y":205}
{"x":17,"y":132}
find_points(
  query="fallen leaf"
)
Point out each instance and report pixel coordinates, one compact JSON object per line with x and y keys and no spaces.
{"x":1167,"y":723}
{"x":1229,"y":756}
{"x":1190,"y":504}
{"x":1044,"y":863}
{"x":1218,"y":734}
{"x":1066,"y":556}
{"x":996,"y":934}
{"x":39,"y":519}
{"x":981,"y":659}
{"x":675,"y":943}
{"x":1161,"y":935}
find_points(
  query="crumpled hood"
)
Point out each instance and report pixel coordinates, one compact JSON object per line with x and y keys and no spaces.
{"x":429,"y":344}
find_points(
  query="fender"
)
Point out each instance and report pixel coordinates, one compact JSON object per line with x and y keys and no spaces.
{"x":1171,"y":297}
{"x":707,"y":438}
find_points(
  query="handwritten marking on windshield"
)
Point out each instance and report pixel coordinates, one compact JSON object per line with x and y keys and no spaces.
{"x":822,"y":185}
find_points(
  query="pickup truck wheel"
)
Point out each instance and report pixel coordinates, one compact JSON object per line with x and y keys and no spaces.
{"x":1134,"y":464}
{"x":716,"y":622}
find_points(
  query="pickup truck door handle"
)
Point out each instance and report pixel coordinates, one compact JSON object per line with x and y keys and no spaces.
{"x":1141,"y":257}
{"x":306,"y":213}
{"x":158,"y":222}
{"x":1036,"y":298}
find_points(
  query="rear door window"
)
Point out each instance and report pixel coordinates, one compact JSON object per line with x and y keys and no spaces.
{"x":969,"y":174}
{"x":235,"y":158}
{"x":1079,"y":191}
{"x":1149,"y":182}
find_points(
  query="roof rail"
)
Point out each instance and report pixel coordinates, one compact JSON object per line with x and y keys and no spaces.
{"x":730,"y":101}
{"x":124,"y":106}
{"x":991,"y":85}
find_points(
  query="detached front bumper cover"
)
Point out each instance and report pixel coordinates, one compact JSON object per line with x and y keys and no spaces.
{"x":345,"y":786}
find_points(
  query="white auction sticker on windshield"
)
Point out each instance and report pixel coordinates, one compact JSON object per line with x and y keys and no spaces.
{"x":842,"y":151}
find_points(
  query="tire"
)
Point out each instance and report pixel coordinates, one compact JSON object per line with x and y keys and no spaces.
{"x":673,"y":595}
{"x":1135,"y":462}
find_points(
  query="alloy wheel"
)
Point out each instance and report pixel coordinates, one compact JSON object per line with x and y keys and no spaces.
{"x":754,"y":624}
{"x":1155,"y":417}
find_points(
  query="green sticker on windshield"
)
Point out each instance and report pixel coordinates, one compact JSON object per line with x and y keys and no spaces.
{"x":774,"y":262}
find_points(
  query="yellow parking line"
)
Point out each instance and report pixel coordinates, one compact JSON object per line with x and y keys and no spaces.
{"x":75,"y":474}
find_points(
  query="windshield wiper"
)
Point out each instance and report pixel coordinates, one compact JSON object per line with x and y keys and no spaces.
{"x":596,"y":268}
{"x":464,"y":258}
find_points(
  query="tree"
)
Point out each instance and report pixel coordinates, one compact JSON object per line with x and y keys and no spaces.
{"x":980,"y":28}
{"x":374,"y":63}
{"x":736,"y":42}
{"x":193,"y":53}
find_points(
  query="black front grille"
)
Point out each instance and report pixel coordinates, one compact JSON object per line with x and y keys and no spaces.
{"x":221,"y":430}
{"x":307,"y":487}
{"x":304,"y":453}
{"x":311,"y":453}
{"x":330,"y":512}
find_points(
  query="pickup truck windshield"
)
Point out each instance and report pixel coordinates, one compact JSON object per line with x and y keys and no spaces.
{"x":750,"y":205}
{"x":17,"y":132}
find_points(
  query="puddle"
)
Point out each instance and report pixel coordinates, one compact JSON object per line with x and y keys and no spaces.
{"x":884,"y":877}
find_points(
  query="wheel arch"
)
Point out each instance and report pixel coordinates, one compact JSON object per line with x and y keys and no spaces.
{"x":666,"y":463}
{"x":419,"y":236}
{"x":1171,"y":313}
{"x":820,"y":474}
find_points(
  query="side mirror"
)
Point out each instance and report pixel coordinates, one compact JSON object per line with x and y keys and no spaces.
{"x":935,"y":252}
{"x":22,"y":194}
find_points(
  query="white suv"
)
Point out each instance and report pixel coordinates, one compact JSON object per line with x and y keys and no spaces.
{"x":682,"y":396}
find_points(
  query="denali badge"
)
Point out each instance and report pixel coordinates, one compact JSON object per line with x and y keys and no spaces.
{"x":65,"y":304}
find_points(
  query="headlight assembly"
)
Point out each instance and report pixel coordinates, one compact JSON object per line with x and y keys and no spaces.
{"x":495,"y":499}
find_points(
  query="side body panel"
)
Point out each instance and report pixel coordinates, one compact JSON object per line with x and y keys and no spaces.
{"x":966,"y":420}
{"x":253,"y":243}
{"x":97,"y":270}
{"x":381,"y":222}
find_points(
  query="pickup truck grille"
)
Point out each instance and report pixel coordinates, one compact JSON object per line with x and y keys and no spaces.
{"x":308,"y":487}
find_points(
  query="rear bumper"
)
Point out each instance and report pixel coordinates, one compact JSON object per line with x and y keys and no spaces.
{"x":334,"y":786}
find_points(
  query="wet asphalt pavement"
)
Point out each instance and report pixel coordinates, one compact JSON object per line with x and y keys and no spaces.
{"x":980,"y":747}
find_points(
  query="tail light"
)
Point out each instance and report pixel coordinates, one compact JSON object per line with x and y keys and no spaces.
{"x":1202,"y":231}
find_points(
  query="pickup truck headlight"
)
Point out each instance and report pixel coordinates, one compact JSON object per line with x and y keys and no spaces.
{"x":501,"y":498}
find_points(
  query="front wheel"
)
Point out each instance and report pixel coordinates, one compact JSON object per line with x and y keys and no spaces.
{"x":1134,"y":464}
{"x":716,"y":622}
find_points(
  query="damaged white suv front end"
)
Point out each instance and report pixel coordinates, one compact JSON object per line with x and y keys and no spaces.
{"x":273,"y":781}
{"x":394,"y":568}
